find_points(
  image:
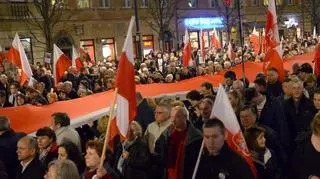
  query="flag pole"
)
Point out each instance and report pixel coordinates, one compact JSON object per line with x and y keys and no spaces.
{"x":106,"y":138}
{"x":241,"y":40}
{"x":198,"y":162}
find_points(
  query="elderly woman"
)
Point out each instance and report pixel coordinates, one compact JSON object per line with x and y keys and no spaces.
{"x":132,"y":156}
{"x":62,"y":169}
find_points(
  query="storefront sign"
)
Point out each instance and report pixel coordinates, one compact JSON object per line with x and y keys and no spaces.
{"x":204,"y":22}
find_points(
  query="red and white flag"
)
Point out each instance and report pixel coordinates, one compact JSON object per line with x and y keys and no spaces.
{"x":272,"y":32}
{"x":231,"y":54}
{"x":187,"y":50}
{"x":273,"y":57}
{"x":76,"y":60}
{"x":215,"y":39}
{"x":316,"y":61}
{"x":254,"y":39}
{"x":125,"y":83}
{"x":18,"y":57}
{"x":61,"y":63}
{"x":202,"y":48}
{"x":223,"y":110}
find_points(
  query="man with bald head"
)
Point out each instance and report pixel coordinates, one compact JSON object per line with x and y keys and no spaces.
{"x":30,"y":166}
{"x":179,"y":145}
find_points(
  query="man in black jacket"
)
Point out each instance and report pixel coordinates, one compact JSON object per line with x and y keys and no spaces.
{"x":8,"y":146}
{"x":30,"y":166}
{"x":299,"y":112}
{"x":145,"y":114}
{"x":3,"y":100}
{"x":274,"y":87}
{"x":270,"y":113}
{"x":178,"y":146}
{"x":218,"y":160}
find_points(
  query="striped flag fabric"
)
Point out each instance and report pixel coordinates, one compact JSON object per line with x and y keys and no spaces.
{"x":187,"y":60}
{"x":76,"y":60}
{"x":18,"y":57}
{"x":61,"y":63}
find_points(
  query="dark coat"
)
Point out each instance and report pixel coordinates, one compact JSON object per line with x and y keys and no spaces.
{"x":138,"y":162}
{"x":299,"y":118}
{"x":3,"y":171}
{"x":191,"y":151}
{"x":227,"y":163}
{"x":52,"y":155}
{"x":145,"y":114}
{"x":305,"y":160}
{"x":73,"y":94}
{"x":274,"y":90}
{"x":47,"y":81}
{"x":33,"y":171}
{"x":267,"y":170}
{"x":273,"y":116}
{"x":8,"y":146}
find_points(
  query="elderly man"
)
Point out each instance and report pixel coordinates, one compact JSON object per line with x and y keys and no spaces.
{"x":30,"y":166}
{"x":153,"y":132}
{"x":71,"y":93}
{"x":8,"y":146}
{"x":60,"y":123}
{"x":238,"y":86}
{"x":299,"y":112}
{"x":205,"y":108}
{"x":178,"y":146}
{"x":218,"y":160}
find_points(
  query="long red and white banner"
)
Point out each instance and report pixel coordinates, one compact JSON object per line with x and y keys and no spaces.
{"x":30,"y":118}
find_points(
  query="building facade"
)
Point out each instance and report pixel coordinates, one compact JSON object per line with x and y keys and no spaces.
{"x":99,"y":26}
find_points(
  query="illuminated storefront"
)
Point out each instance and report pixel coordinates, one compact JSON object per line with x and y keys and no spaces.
{"x":88,"y":47}
{"x":206,"y":24}
{"x":108,"y":48}
{"x":147,"y":44}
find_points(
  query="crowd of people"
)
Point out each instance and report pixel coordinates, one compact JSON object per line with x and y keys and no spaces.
{"x":279,"y":120}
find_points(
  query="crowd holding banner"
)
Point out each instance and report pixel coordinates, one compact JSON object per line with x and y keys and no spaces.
{"x":261,"y":124}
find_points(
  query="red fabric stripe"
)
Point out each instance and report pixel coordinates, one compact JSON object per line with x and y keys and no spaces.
{"x":273,"y":60}
{"x":79,"y":64}
{"x":187,"y":54}
{"x":126,"y":84}
{"x":13,"y":57}
{"x":62,"y":64}
{"x":317,"y":61}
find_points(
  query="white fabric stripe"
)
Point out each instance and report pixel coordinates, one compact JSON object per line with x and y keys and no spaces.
{"x":122,"y":114}
{"x":23,"y":57}
{"x":57,"y":53}
{"x":128,"y":46}
{"x":75,"y":55}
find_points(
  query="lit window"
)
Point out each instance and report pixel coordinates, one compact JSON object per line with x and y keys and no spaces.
{"x":88,"y":47}
{"x":108,"y":48}
{"x":144,"y":3}
{"x":192,"y":3}
{"x":83,"y":3}
{"x":105,"y":3}
{"x":127,"y":4}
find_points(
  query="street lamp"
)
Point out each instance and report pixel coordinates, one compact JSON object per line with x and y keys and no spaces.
{"x":138,"y":35}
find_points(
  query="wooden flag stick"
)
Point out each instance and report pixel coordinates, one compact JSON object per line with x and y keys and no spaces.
{"x":198,"y":162}
{"x":106,"y":138}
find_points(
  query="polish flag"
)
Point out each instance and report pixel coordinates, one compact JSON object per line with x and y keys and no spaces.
{"x":125,"y":83}
{"x":317,"y":61}
{"x":223,"y":110}
{"x":272,"y":32}
{"x":18,"y":57}
{"x":187,"y":60}
{"x":273,"y":57}
{"x":254,"y":39}
{"x":214,"y":39}
{"x":76,"y":60}
{"x":61,"y":63}
{"x":263,"y":42}
{"x":202,"y":46}
{"x":230,"y":52}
